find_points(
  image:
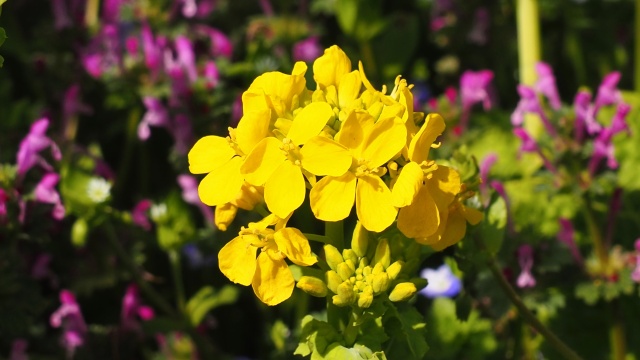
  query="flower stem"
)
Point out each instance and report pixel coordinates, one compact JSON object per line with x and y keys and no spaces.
{"x":334,"y":231}
{"x":176,"y":272}
{"x":351,"y":331}
{"x":637,"y":48}
{"x":528,"y":39}
{"x":596,"y":236}
{"x":526,"y":314}
{"x":319,"y":238}
{"x":617,"y":335}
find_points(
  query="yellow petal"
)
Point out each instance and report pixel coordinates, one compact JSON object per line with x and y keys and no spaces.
{"x":253,"y":127}
{"x":280,"y":86}
{"x":421,"y":143}
{"x":349,"y":89}
{"x":284,"y":191}
{"x":365,"y":81}
{"x":421,"y":218}
{"x":473,"y":216}
{"x":329,"y":68}
{"x":453,"y":232}
{"x":255,"y":100}
{"x":208,"y":154}
{"x":224,"y":215}
{"x":223,"y":185}
{"x":309,"y":122}
{"x":332,"y":198}
{"x":393,"y":110}
{"x":273,"y":282}
{"x":386,"y":139}
{"x":406,"y":99}
{"x":407,"y":185}
{"x":299,"y":68}
{"x":295,"y":245}
{"x":353,"y":130}
{"x":373,"y":203}
{"x":265,"y":157}
{"x":323,"y":156}
{"x":237,"y":261}
{"x":444,"y":186}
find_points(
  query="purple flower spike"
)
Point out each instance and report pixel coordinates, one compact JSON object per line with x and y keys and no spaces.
{"x":69,"y":317}
{"x":307,"y":50}
{"x":111,"y":11}
{"x":608,"y":93}
{"x":139,"y":214}
{"x":474,"y":88}
{"x":566,"y":235}
{"x":186,"y":57}
{"x":33,"y":144}
{"x":211,"y":75}
{"x":45,"y":192}
{"x":442,"y":282}
{"x":546,"y":85}
{"x":220,"y":43}
{"x":152,"y":50}
{"x":528,"y":143}
{"x":525,"y":259}
{"x":581,"y":107}
{"x":156,"y":115}
{"x":603,"y":144}
{"x":132,"y":309}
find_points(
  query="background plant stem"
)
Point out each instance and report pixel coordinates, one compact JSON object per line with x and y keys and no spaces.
{"x":176,"y":272}
{"x":528,"y":39}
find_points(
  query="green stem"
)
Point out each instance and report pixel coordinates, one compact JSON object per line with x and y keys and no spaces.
{"x":528,"y":39}
{"x":334,"y":231}
{"x":596,"y":236}
{"x":351,"y":331}
{"x":129,"y":147}
{"x":91,"y":14}
{"x":637,"y":48}
{"x":153,"y":296}
{"x":319,"y":238}
{"x":526,"y":314}
{"x":176,"y":272}
{"x":617,"y":335}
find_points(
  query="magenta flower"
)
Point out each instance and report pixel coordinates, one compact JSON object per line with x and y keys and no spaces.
{"x":182,"y":134}
{"x":635,"y":275}
{"x":45,"y":192}
{"x":582,"y":110}
{"x":603,"y":144}
{"x":525,"y":259}
{"x":152,"y":50}
{"x":103,"y":54}
{"x":132,"y":309}
{"x":60,"y":15}
{"x":132,"y":45}
{"x":307,"y":50}
{"x":485,"y":166}
{"x":189,"y":185}
{"x":139,"y":214}
{"x":211,"y":75}
{"x":186,"y":57}
{"x":72,"y":105}
{"x":111,"y":11}
{"x":546,"y":85}
{"x":33,"y":144}
{"x":479,"y":32}
{"x":69,"y":317}
{"x":566,"y":235}
{"x":236,"y":110}
{"x":220,"y":43}
{"x":608,"y":93}
{"x":474,"y":88}
{"x":451,"y":94}
{"x":528,"y":143}
{"x":4,"y":198}
{"x":442,"y":282}
{"x":189,"y":8}
{"x":19,"y":350}
{"x":156,"y":115}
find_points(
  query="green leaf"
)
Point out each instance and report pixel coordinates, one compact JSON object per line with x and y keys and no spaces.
{"x":3,"y":36}
{"x":494,"y":225}
{"x":315,"y":338}
{"x":588,"y":292}
{"x":162,"y":325}
{"x":360,"y":19}
{"x":406,"y":329}
{"x":207,"y":299}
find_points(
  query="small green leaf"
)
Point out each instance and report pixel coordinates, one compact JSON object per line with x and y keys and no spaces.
{"x":207,"y":299}
{"x":406,"y":329}
{"x":588,"y":292}
{"x":494,"y":224}
{"x":3,"y":36}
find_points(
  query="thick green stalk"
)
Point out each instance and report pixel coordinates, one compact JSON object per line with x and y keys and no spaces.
{"x":528,"y":39}
{"x":596,"y":236}
{"x":525,"y":313}
{"x":335,"y":232}
{"x":617,"y":336}
{"x":351,"y":331}
{"x":637,"y":48}
{"x":176,"y":272}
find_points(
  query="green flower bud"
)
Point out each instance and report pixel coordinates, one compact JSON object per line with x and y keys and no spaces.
{"x":365,"y":298}
{"x":360,"y":240}
{"x":350,"y":255}
{"x":403,"y":291}
{"x":394,"y":269}
{"x":79,"y":232}
{"x":333,"y":256}
{"x":380,"y":282}
{"x":312,"y":286}
{"x":345,"y":295}
{"x":333,"y":280}
{"x":345,"y":271}
{"x":383,"y":253}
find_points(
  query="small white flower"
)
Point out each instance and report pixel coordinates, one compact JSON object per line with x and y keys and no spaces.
{"x":158,"y":212}
{"x":98,"y":190}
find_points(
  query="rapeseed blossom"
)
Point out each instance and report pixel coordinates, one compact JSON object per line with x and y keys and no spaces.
{"x":347,"y":144}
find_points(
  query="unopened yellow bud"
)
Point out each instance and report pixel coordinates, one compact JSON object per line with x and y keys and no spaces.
{"x":363,"y":263}
{"x":360,"y":240}
{"x":224,"y":215}
{"x":333,"y":280}
{"x":367,"y":271}
{"x":403,"y":291}
{"x":394,"y":269}
{"x":312,"y":286}
{"x":344,"y":271}
{"x":419,"y":282}
{"x":365,"y":298}
{"x":380,"y":282}
{"x":333,"y":256}
{"x":383,"y":253}
{"x":349,"y":254}
{"x":377,"y":269}
{"x":345,"y":296}
{"x":351,"y":264}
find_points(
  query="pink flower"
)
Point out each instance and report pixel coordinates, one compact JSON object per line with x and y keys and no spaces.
{"x":45,"y":192}
{"x":186,"y":57}
{"x":603,"y":145}
{"x":529,"y":104}
{"x":307,"y":50}
{"x":220,"y":43}
{"x":19,"y":350}
{"x":111,"y":11}
{"x":103,"y":54}
{"x":211,"y":75}
{"x":528,"y":143}
{"x":182,"y":134}
{"x":525,"y":259}
{"x":33,"y":144}
{"x":3,"y":204}
{"x":566,"y":235}
{"x":474,"y":88}
{"x":139,"y":214}
{"x":152,"y":50}
{"x":156,"y":115}
{"x":72,"y":105}
{"x":189,"y":8}
{"x":546,"y":85}
{"x":189,"y":185}
{"x":69,"y":317}
{"x":581,"y":108}
{"x":132,"y":309}
{"x":60,"y":15}
{"x":635,"y":275}
{"x":608,"y":93}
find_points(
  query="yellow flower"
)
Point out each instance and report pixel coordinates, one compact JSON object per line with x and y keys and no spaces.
{"x":337,"y":84}
{"x":276,"y":91}
{"x":222,"y":157}
{"x":247,"y":199}
{"x":279,"y":164}
{"x":372,"y":144}
{"x":268,"y":274}
{"x":412,"y":190}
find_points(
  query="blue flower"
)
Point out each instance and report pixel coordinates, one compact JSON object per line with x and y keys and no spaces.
{"x":442,"y":282}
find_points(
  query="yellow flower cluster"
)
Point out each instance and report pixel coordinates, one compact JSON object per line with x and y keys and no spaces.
{"x":346,"y":142}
